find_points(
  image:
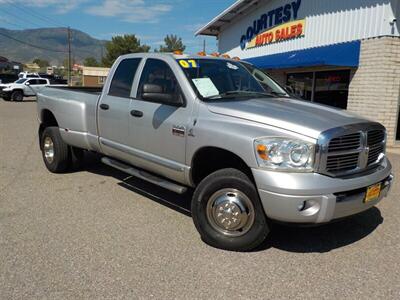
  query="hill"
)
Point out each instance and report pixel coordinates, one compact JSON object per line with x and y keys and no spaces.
{"x":83,"y":45}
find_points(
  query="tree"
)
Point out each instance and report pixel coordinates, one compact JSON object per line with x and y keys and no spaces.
{"x":120,"y":45}
{"x":172,"y":43}
{"x":41,"y":62}
{"x":91,"y":62}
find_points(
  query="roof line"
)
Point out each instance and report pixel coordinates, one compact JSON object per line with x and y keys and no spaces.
{"x":230,"y":10}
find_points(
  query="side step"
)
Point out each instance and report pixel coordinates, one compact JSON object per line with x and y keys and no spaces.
{"x":179,"y":189}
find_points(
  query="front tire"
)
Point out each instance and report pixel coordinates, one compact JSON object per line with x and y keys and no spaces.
{"x":227,"y":212}
{"x":55,"y":151}
{"x":17,"y":96}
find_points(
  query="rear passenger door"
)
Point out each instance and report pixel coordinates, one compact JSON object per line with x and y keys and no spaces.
{"x":113,"y":111}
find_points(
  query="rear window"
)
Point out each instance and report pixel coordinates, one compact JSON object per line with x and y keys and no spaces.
{"x":121,"y":83}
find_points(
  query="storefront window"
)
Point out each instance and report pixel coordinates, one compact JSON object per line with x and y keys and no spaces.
{"x":325,"y":87}
{"x":301,"y":84}
{"x":332,"y":88}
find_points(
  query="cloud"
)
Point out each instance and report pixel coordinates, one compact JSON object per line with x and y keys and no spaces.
{"x":60,"y":6}
{"x":132,"y":11}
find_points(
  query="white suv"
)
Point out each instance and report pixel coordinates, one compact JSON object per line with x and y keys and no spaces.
{"x":23,"y":87}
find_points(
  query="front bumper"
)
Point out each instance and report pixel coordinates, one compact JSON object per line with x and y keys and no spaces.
{"x":316,"y":198}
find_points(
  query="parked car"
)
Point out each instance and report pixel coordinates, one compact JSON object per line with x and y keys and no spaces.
{"x":7,"y":78}
{"x":251,"y":154}
{"x":54,"y":79}
{"x":28,"y":75}
{"x":23,"y":87}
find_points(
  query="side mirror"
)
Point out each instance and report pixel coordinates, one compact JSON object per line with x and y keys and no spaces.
{"x":154,"y":93}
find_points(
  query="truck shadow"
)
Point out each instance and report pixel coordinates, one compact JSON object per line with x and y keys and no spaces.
{"x":287,"y":238}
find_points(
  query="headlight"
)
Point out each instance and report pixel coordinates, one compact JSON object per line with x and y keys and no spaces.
{"x":285,"y":154}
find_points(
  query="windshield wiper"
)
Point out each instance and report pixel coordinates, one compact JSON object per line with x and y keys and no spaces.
{"x":238,"y":93}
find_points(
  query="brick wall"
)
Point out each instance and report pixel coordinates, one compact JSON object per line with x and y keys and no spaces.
{"x":375,"y":86}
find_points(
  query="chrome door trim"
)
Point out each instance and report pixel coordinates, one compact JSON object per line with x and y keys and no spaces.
{"x":143,"y":155}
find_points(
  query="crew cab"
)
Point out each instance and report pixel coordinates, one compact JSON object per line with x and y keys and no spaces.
{"x":224,"y":129}
{"x":23,"y":87}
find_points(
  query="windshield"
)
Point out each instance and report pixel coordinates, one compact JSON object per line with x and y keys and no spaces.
{"x":220,"y":79}
{"x":21,"y":80}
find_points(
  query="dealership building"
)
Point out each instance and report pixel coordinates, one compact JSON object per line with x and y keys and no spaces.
{"x":343,"y":53}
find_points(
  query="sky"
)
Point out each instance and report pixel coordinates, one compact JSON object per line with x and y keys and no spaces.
{"x":150,"y":20}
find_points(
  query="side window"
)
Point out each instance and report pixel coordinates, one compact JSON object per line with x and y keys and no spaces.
{"x":121,"y":83}
{"x":157,"y":72}
{"x":33,"y":81}
{"x":42,"y":81}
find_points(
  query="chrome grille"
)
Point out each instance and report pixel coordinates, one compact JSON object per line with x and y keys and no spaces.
{"x":375,"y":142}
{"x":346,"y":142}
{"x":342,"y":162}
{"x":351,"y":149}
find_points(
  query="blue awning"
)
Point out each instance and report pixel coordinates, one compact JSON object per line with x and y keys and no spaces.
{"x":343,"y":55}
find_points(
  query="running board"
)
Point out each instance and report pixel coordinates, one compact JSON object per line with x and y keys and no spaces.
{"x":164,"y":183}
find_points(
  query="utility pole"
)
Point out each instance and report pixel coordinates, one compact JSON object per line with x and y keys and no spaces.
{"x":69,"y":56}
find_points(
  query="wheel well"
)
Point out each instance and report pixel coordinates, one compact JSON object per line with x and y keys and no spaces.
{"x":210,"y":159}
{"x":47,"y":120}
{"x":18,"y":90}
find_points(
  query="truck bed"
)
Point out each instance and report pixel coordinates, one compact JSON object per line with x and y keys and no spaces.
{"x":82,"y":89}
{"x":75,"y":109}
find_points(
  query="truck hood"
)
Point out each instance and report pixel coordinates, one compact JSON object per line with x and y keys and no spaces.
{"x":298,"y":116}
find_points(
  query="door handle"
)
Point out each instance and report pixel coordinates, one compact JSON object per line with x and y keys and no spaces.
{"x":136,"y":113}
{"x":104,"y":106}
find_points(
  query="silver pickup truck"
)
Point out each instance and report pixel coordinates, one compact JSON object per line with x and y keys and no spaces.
{"x":223,"y":128}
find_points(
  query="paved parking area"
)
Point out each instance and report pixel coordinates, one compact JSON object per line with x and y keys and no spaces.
{"x":96,"y":234}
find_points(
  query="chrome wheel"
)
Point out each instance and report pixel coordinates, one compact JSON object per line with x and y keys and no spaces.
{"x":230,"y":212}
{"x":48,"y":149}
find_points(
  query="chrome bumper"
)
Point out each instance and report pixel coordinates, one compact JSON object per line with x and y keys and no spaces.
{"x":316,"y":198}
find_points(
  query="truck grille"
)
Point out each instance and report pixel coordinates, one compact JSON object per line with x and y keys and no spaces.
{"x":346,"y":142}
{"x":354,"y":151}
{"x":376,"y":146}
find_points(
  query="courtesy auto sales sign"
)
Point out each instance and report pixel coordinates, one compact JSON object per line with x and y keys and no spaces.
{"x":275,"y":25}
{"x":280,"y":33}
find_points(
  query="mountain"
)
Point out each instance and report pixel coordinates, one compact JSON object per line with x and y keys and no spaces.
{"x":53,"y":39}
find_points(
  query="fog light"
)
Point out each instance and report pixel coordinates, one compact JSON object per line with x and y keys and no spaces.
{"x":309,"y":207}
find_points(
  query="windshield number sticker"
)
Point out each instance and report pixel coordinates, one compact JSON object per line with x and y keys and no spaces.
{"x":191,"y":63}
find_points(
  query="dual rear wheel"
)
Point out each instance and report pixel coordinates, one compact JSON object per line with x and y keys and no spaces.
{"x":57,"y":155}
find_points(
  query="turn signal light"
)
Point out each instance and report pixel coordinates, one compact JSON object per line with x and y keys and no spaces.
{"x":202,"y":53}
{"x":262,"y":151}
{"x":178,"y":52}
{"x":225,"y":56}
{"x":216,"y":54}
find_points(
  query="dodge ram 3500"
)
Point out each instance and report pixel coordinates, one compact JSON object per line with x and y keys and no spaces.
{"x":225,"y":129}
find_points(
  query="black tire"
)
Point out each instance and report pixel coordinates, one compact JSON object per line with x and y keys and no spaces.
{"x":220,"y":181}
{"x":61,"y":160}
{"x":17,"y":96}
{"x":77,"y":157}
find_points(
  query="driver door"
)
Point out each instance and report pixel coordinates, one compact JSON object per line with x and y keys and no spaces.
{"x":159,"y":122}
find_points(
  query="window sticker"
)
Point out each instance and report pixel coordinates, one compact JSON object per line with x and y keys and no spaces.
{"x":188,"y":63}
{"x":206,"y":87}
{"x":232,"y":66}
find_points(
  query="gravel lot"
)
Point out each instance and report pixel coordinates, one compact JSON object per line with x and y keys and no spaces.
{"x":97,"y":234}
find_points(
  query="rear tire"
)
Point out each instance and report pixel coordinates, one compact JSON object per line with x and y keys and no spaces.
{"x":227,"y":211}
{"x":17,"y":96}
{"x":55,"y":151}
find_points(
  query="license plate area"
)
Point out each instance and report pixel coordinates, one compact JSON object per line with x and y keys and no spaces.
{"x":373,"y":192}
